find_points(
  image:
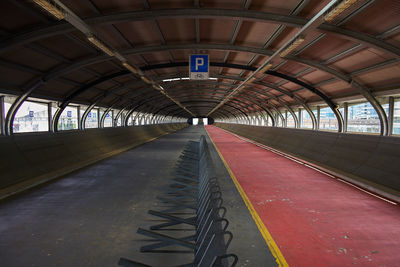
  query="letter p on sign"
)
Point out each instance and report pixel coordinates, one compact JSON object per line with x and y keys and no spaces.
{"x":198,"y":67}
{"x":199,"y":62}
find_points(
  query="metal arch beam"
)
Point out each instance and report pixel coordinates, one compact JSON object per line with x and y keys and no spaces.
{"x":79,"y":91}
{"x":179,"y":112}
{"x":137,"y":105}
{"x":246,"y":97}
{"x":218,"y":112}
{"x":233,"y":110}
{"x":204,"y":100}
{"x":348,"y":79}
{"x":146,"y":94}
{"x":156,"y":113}
{"x":300,"y":102}
{"x":293,"y":21}
{"x":326,"y":99}
{"x":234,"y":48}
{"x":274,"y":73}
{"x":265,"y":93}
{"x":142,"y":89}
{"x":344,"y":77}
{"x":234,"y":107}
{"x":150,"y":97}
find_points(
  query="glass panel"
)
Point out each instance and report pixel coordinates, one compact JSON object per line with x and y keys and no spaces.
{"x":306,"y":121}
{"x":92,"y":120}
{"x":31,"y":117}
{"x":68,"y":119}
{"x":290,"y":120}
{"x":108,"y":119}
{"x":130,"y":120}
{"x":396,"y":117}
{"x":327,"y":119}
{"x":363,"y":118}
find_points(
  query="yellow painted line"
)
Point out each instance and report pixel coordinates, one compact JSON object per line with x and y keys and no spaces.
{"x":261,"y":227}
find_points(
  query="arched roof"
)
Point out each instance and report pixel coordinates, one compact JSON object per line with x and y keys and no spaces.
{"x":355,"y":55}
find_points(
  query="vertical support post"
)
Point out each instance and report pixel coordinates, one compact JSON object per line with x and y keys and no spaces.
{"x":300,"y":118}
{"x":98,"y":118}
{"x":80,"y":126}
{"x":318,"y":116}
{"x":112,"y":113}
{"x":285,"y":118}
{"x":345,"y":116}
{"x":50,"y":116}
{"x":2,"y":116}
{"x":391,"y":115}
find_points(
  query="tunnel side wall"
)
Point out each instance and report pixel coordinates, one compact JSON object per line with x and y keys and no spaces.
{"x":368,"y":160}
{"x":30,"y":159}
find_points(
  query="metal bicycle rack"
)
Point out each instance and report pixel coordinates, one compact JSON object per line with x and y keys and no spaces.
{"x":194,"y":187}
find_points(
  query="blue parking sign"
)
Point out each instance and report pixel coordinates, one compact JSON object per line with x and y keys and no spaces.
{"x":69,"y":113}
{"x":31,"y":114}
{"x":198,"y":67}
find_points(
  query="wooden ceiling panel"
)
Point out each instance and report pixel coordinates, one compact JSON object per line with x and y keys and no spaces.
{"x":381,"y":77}
{"x":30,"y":58}
{"x":83,"y":9}
{"x":337,"y":89}
{"x":178,"y":30}
{"x":156,"y":58}
{"x":114,"y":6}
{"x":372,"y":21}
{"x":240,"y":58}
{"x":103,"y":68}
{"x":55,"y":89}
{"x":14,"y":77}
{"x":139,"y":33}
{"x":162,"y":4}
{"x":63,"y":46}
{"x":13,"y":18}
{"x":216,"y":30}
{"x":226,"y":4}
{"x":357,"y":61}
{"x":280,"y":7}
{"x":255,"y":34}
{"x":316,"y":77}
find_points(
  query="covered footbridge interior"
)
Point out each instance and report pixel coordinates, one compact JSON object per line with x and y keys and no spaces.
{"x":86,"y":86}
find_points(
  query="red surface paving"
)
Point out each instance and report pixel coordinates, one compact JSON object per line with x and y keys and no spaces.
{"x":314,"y":219}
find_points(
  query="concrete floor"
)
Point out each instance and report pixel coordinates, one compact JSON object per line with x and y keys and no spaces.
{"x":90,"y":217}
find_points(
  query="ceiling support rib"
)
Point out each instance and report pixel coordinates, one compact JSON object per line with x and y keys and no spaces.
{"x":293,"y":21}
{"x":311,"y":24}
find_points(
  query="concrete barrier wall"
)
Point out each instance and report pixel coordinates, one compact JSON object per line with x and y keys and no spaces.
{"x":368,"y":160}
{"x":29,"y":159}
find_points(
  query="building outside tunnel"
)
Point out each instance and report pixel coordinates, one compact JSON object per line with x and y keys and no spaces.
{"x":112,"y":112}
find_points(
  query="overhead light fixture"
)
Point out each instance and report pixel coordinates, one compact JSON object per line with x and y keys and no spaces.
{"x":146,"y":80}
{"x":266,"y":68}
{"x":130,"y":67}
{"x":298,"y":41}
{"x":339,"y":9}
{"x":51,"y":8}
{"x":251,"y":79}
{"x":158,"y":87}
{"x":100,"y":45}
